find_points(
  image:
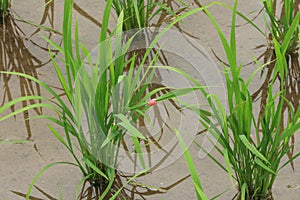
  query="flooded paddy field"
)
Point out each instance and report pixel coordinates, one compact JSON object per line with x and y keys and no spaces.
{"x":28,"y":145}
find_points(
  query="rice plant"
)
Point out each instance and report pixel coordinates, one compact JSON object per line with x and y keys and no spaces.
{"x":190,"y":163}
{"x":98,"y":99}
{"x":252,"y":156}
{"x":4,"y":4}
{"x":139,"y":13}
{"x":102,"y":94}
{"x":279,"y":24}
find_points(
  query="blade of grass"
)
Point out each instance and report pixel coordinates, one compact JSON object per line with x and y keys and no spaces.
{"x":191,"y":166}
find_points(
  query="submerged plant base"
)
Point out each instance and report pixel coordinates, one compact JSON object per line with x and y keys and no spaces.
{"x":4,"y":9}
{"x":3,"y":16}
{"x":269,"y":196}
{"x":91,"y":190}
{"x":99,"y":183}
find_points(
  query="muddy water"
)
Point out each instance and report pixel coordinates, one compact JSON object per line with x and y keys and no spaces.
{"x":23,"y":50}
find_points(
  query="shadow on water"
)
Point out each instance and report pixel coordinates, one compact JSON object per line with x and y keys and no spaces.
{"x":49,"y":197}
{"x":87,"y":16}
{"x":132,"y":190}
{"x":16,"y":57}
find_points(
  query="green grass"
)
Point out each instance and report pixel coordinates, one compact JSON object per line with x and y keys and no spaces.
{"x":255,"y":162}
{"x":139,"y":13}
{"x":190,"y":163}
{"x":282,"y":22}
{"x":103,"y":101}
{"x":109,"y":116}
{"x":110,"y":99}
{"x":279,"y":26}
{"x":285,"y":29}
{"x":251,"y":156}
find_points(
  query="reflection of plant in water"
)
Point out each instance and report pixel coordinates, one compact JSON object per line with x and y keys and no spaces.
{"x":47,"y":16}
{"x":86,"y":15}
{"x":15,"y":57}
{"x":132,"y":190}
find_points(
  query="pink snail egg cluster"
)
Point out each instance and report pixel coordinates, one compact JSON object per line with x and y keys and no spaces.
{"x":152,"y":102}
